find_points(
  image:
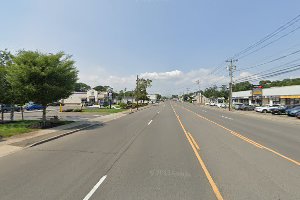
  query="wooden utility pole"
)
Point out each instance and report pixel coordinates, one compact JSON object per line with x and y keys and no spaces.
{"x":137,"y":92}
{"x":231,"y":68}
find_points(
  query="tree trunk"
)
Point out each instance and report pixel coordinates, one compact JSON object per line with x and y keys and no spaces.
{"x":2,"y":116}
{"x":44,"y":118}
{"x":12,"y":112}
{"x":22,"y":112}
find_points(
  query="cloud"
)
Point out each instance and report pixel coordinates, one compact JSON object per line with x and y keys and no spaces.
{"x":162,"y":75}
{"x":166,"y":83}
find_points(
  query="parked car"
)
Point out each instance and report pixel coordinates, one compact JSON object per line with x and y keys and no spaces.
{"x":237,"y":106}
{"x":298,"y":115}
{"x":34,"y":107}
{"x":221,"y":105}
{"x":246,"y":107}
{"x":283,"y":109}
{"x":266,"y":108}
{"x":8,"y":108}
{"x":293,"y":112}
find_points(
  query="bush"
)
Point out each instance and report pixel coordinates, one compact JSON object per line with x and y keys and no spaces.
{"x":123,"y":105}
{"x":68,"y":110}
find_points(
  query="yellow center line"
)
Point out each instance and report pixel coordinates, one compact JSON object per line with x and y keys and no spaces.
{"x":194,"y":142}
{"x":201,"y":162}
{"x":246,"y":139}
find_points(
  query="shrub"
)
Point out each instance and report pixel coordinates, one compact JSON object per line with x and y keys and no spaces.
{"x":123,"y":105}
{"x":68,"y":110}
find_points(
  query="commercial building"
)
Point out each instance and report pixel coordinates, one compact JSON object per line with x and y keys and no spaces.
{"x":91,"y":96}
{"x":287,"y":95}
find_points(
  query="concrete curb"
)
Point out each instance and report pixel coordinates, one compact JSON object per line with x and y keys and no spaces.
{"x":59,"y":136}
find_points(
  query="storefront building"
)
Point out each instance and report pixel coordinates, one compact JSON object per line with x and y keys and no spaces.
{"x":287,"y":95}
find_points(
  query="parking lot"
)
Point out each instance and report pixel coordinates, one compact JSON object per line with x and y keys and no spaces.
{"x":253,"y":113}
{"x":54,"y":111}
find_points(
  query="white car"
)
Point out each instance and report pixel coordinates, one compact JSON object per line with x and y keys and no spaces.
{"x":266,"y":108}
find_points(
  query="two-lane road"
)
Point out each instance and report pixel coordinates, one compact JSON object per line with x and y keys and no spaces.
{"x":170,"y":151}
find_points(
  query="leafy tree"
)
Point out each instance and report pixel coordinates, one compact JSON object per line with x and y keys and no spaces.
{"x":120,"y":95}
{"x":101,"y":88}
{"x":174,"y":96}
{"x":130,"y":94}
{"x":158,"y":96}
{"x":265,"y":83}
{"x":45,"y":78}
{"x":243,"y":86}
{"x":7,"y":94}
{"x":214,"y":92}
{"x":141,"y":90}
{"x":82,"y":87}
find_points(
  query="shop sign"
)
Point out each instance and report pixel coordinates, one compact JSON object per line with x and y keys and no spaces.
{"x":256,"y":91}
{"x":290,"y":97}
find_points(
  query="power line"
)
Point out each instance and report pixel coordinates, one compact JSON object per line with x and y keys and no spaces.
{"x":268,"y":70}
{"x":269,"y":36}
{"x":271,"y":74}
{"x":273,"y":41}
{"x":268,"y":62}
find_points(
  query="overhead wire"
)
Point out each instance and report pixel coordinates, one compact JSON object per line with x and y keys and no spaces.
{"x":269,"y":36}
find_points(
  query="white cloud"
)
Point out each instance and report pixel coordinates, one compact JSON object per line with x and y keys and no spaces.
{"x":166,"y":83}
{"x":162,"y":75}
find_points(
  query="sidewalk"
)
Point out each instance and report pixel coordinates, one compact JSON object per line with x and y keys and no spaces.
{"x":27,"y":140}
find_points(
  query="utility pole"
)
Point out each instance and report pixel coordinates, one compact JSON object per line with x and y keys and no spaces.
{"x":231,"y":68}
{"x":137,"y":92}
{"x":124,"y":94}
{"x":198,"y":83}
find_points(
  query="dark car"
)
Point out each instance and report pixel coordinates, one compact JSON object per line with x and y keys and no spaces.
{"x":283,"y":109}
{"x":34,"y":107}
{"x":246,"y":107}
{"x":8,"y":108}
{"x":293,"y":112}
{"x":298,"y":115}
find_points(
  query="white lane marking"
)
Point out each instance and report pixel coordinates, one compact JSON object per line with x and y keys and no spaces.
{"x":158,"y":112}
{"x":150,"y":122}
{"x":226,"y":117}
{"x":88,"y":196}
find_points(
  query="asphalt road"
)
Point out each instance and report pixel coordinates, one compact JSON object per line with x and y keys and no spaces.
{"x":170,"y":151}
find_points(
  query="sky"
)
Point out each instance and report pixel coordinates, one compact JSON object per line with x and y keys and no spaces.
{"x":173,"y":42}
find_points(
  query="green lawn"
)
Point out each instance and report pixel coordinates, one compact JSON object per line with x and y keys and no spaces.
{"x":104,"y":110}
{"x":19,"y":127}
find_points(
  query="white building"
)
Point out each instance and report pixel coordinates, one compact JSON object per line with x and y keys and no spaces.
{"x":287,"y":95}
{"x":91,"y":96}
{"x":152,"y":98}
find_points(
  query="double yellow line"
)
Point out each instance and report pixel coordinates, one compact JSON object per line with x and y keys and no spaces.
{"x":196,"y":148}
{"x":246,"y":139}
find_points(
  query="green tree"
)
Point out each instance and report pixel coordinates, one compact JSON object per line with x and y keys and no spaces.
{"x":120,"y":95}
{"x":265,"y":83}
{"x":81,"y":87}
{"x":158,"y":97}
{"x":141,"y":90}
{"x":130,"y":94}
{"x":45,"y":78}
{"x":101,"y":88}
{"x":242,"y":86}
{"x":7,"y":94}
